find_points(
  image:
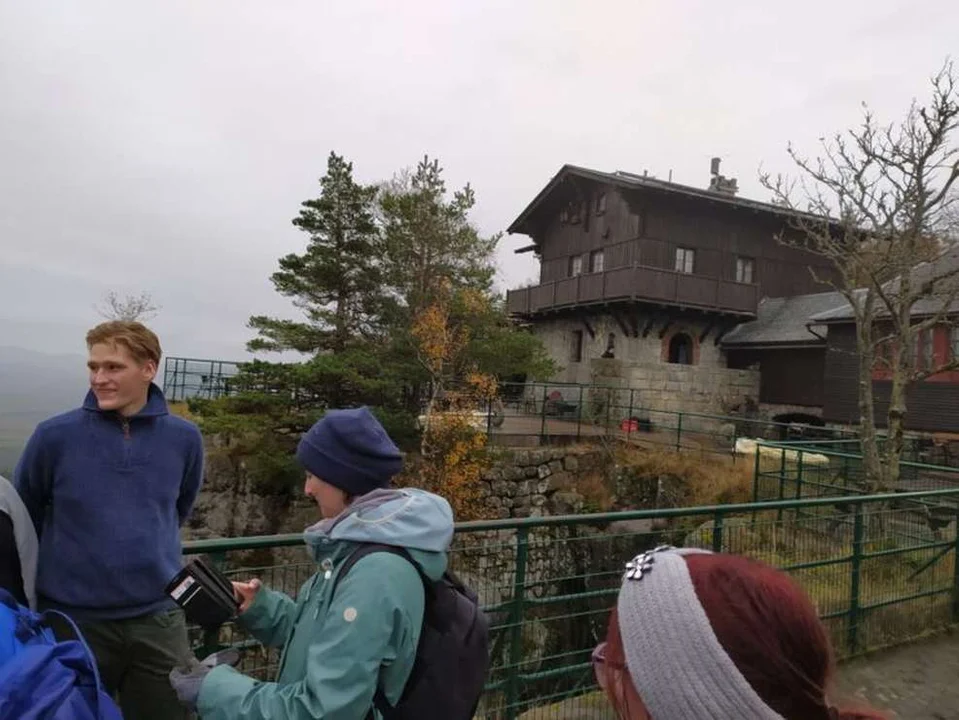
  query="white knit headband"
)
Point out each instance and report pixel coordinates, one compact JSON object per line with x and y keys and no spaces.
{"x":678,"y":667}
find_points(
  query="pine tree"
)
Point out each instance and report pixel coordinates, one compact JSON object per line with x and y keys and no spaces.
{"x":429,"y":240}
{"x":337,"y":281}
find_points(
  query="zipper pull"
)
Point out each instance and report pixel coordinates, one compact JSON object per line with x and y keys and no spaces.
{"x":125,"y":424}
{"x":327,"y":567}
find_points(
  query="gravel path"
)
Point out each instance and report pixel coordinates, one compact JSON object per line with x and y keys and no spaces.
{"x":915,"y":682}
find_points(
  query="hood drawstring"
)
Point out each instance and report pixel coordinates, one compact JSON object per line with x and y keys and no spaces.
{"x":326,"y":565}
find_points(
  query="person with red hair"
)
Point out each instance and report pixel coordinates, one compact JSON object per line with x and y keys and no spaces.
{"x":697,"y":635}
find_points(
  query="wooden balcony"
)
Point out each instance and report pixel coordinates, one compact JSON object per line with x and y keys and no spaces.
{"x":636,"y":284}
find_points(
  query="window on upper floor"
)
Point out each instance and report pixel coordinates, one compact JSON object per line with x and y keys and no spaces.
{"x":685,"y":260}
{"x":745,"y":270}
{"x":596,"y":260}
{"x":575,"y":266}
{"x":576,"y":346}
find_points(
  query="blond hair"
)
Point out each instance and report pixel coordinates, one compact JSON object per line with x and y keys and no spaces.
{"x":141,"y":342}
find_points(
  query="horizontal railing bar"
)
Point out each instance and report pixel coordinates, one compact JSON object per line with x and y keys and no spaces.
{"x":906,"y":598}
{"x":194,"y":547}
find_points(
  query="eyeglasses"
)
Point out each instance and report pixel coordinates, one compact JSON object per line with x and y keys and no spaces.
{"x":612,"y":677}
{"x":602,"y":666}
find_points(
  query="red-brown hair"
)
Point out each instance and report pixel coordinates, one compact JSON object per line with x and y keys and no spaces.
{"x":770,"y":630}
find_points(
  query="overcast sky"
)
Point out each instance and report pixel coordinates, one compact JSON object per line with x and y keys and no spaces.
{"x":164,"y":146}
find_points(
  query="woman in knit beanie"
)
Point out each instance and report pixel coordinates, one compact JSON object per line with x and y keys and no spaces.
{"x":349,"y":638}
{"x":697,"y":635}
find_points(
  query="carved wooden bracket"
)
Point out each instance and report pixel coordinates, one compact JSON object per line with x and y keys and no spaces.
{"x":649,"y":326}
{"x":589,"y":328}
{"x":621,"y":322}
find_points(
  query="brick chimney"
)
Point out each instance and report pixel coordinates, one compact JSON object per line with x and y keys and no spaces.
{"x":718,"y":183}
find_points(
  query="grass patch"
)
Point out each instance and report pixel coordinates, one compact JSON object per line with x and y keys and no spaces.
{"x":817,"y":551}
{"x":686,"y":480}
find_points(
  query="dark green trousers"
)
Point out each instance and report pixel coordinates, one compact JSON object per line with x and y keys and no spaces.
{"x":135,"y":657}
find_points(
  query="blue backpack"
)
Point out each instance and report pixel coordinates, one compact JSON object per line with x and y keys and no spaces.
{"x":42,"y":678}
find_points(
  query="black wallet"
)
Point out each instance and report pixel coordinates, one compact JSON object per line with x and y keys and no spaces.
{"x":204,"y":593}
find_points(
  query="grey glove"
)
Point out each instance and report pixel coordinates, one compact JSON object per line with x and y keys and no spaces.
{"x":187,"y":679}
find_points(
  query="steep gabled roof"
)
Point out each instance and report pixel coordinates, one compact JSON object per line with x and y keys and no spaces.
{"x":783,"y":322}
{"x":944,"y":265}
{"x":631,"y":181}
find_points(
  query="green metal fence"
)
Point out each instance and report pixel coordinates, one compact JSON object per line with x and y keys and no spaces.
{"x":803,"y":469}
{"x":554,"y":411}
{"x":877,"y":576}
{"x":545,"y":413}
{"x":185,"y":378}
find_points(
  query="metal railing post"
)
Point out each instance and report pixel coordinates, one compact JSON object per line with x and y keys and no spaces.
{"x":955,"y":574}
{"x":757,"y":470}
{"x":782,"y":480}
{"x":852,"y":619}
{"x":609,"y":405}
{"x":516,"y":626}
{"x":579,"y":412}
{"x":718,"y":532}
{"x":679,"y":431}
{"x":799,"y":474}
{"x":629,"y":415}
{"x":542,"y":426}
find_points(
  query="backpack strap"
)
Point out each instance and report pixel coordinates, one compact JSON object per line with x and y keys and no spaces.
{"x":380,"y":702}
{"x":368,"y":549}
{"x":45,"y":618}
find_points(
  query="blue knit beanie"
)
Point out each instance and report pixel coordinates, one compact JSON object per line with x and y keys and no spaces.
{"x":350,"y":450}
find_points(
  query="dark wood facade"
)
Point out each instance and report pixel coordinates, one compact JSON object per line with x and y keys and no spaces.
{"x":930,"y":406}
{"x":788,"y":376}
{"x":636,"y":283}
{"x":658,"y":245}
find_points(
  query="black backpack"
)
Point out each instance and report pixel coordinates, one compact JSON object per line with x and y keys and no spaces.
{"x":452,"y":657}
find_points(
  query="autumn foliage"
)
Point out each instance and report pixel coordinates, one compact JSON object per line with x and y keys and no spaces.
{"x":453,"y":451}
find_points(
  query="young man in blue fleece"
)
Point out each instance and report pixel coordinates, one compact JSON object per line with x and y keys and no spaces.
{"x":108,"y":486}
{"x":338,"y":648}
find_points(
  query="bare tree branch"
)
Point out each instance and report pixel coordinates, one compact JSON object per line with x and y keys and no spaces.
{"x":129,"y":308}
{"x":880,"y":202}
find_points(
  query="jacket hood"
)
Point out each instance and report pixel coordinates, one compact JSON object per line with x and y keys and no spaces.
{"x":155,"y":407}
{"x":416,"y":520}
{"x":25,"y":538}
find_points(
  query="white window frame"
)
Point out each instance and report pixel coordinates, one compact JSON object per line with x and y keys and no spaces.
{"x":576,"y":267}
{"x":594,"y":266}
{"x":745,"y":270}
{"x":685,"y":260}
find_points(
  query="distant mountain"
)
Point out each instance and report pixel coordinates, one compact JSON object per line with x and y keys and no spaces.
{"x":34,"y":386}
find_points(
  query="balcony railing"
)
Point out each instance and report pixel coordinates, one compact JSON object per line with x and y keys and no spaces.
{"x":637,"y":283}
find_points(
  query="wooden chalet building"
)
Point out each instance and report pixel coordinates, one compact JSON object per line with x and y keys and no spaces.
{"x":651,"y":285}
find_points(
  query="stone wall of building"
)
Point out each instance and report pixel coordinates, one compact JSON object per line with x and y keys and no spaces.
{"x":642,"y":364}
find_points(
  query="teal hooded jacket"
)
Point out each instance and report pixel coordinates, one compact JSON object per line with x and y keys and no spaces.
{"x":337,"y":649}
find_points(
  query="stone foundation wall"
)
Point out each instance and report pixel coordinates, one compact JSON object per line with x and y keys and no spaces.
{"x":535,"y":483}
{"x":642,"y":363}
{"x":521,"y":483}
